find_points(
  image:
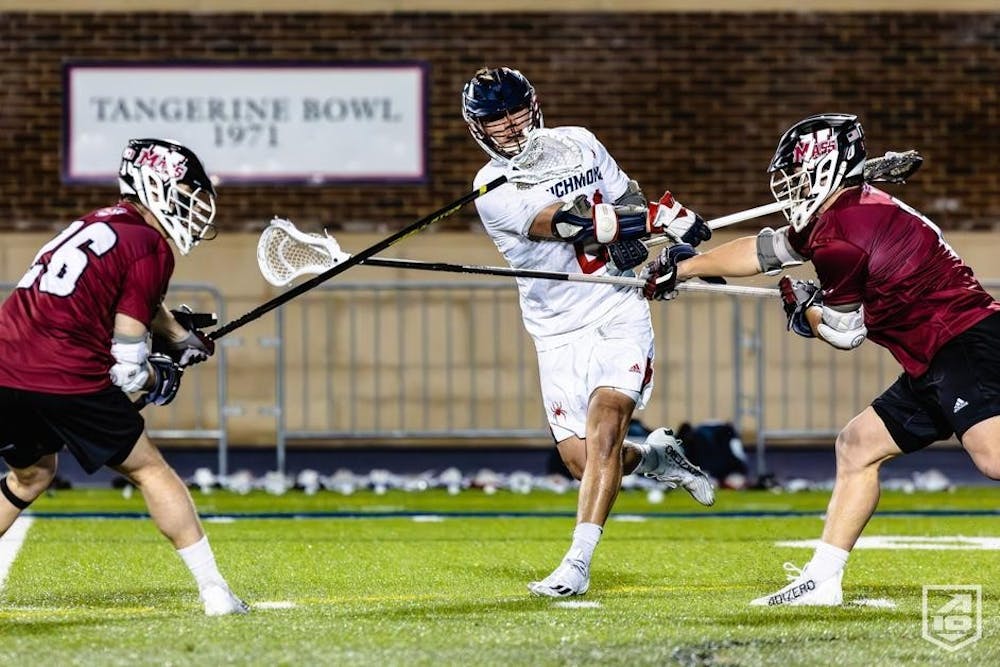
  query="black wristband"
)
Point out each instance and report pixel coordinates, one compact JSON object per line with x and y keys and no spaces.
{"x":9,"y":495}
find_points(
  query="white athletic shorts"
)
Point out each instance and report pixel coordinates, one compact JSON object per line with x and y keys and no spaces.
{"x":617,"y":354}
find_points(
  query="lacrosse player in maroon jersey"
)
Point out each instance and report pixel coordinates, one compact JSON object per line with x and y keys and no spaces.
{"x":885,"y":274}
{"x":75,"y":342}
{"x":594,"y":342}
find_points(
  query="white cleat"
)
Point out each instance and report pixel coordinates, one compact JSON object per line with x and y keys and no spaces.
{"x":805,"y":591}
{"x":674,"y":468}
{"x":572,"y":577}
{"x":220,"y":601}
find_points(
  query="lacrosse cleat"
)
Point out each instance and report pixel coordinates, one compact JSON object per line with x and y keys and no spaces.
{"x":673,"y":467}
{"x":572,"y":577}
{"x":220,"y":601}
{"x":804,"y":590}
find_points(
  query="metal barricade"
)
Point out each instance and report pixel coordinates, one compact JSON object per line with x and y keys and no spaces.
{"x":807,"y":391}
{"x":394,"y":362}
{"x":452,"y":361}
{"x":198,"y":412}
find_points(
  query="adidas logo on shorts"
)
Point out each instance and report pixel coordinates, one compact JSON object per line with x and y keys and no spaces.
{"x":635,"y":369}
{"x":959,"y":404}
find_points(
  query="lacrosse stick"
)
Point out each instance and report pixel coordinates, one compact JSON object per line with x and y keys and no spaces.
{"x":546,"y":156}
{"x":284,"y":253}
{"x":890,"y":168}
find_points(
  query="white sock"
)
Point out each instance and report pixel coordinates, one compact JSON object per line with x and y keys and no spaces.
{"x":647,"y":462}
{"x":585,"y":539}
{"x":827,"y":561}
{"x":201,"y":561}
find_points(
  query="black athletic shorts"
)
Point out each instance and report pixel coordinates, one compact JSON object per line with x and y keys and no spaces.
{"x":960,"y":389}
{"x":98,"y":429}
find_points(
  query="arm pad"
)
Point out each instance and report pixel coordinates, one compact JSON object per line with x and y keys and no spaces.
{"x":129,"y":371}
{"x":843,"y":330}
{"x":606,"y":223}
{"x":632,"y":196}
{"x":774,"y":252}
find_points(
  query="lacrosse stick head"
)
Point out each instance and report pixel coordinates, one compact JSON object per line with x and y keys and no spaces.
{"x":816,"y":157}
{"x":284,"y":253}
{"x":893,"y":167}
{"x":501,"y":109}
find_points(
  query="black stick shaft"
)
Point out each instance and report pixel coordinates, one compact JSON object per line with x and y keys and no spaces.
{"x":354,"y":260}
{"x":462,"y":268}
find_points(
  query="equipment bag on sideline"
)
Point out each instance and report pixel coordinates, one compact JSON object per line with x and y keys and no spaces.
{"x":716,"y":448}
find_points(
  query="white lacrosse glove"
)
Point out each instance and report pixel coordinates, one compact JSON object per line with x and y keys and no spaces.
{"x":667,"y":216}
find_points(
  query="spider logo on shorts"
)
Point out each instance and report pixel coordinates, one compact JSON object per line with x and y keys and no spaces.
{"x":558,"y":411}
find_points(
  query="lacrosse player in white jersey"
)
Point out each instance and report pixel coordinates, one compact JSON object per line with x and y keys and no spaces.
{"x":594,"y":342}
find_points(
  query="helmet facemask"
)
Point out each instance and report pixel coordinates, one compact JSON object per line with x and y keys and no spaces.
{"x":506,"y":136}
{"x":501,"y":109}
{"x":816,"y":158}
{"x":170,"y":182}
{"x":809,"y":184}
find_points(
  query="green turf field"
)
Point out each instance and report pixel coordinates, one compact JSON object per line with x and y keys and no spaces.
{"x":387,"y":589}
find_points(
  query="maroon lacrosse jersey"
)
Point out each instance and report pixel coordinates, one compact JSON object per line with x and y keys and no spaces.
{"x":56,"y":326}
{"x":873,"y":249}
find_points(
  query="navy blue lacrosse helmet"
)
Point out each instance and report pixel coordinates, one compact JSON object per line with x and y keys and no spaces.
{"x":501,"y":94}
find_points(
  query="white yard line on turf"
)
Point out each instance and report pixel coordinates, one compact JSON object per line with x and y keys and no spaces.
{"x":925,"y":542}
{"x":275,"y":604}
{"x":879,"y":603}
{"x":11,"y":543}
{"x":577,"y":604}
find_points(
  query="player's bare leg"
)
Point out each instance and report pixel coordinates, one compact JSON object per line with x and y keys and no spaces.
{"x":172,"y":509}
{"x":608,"y":415}
{"x":982,"y":442}
{"x":573,"y":452}
{"x":862,"y":447}
{"x":22,"y":486}
{"x":660,"y":457}
{"x":169,"y":502}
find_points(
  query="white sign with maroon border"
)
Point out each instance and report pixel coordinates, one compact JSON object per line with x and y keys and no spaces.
{"x":252,"y":123}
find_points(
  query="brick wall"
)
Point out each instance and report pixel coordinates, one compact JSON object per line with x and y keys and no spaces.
{"x":693,"y":102}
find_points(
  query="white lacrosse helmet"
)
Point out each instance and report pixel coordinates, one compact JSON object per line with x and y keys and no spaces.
{"x":504,"y":100}
{"x":170,"y":181}
{"x":816,"y":157}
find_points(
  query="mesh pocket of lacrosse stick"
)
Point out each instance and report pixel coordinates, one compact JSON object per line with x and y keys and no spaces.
{"x":284,"y":253}
{"x":546,"y":156}
{"x":893,"y":167}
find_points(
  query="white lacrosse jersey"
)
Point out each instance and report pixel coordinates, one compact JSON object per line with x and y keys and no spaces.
{"x":554,"y":311}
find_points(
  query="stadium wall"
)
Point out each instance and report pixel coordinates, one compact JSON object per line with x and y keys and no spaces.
{"x":693,"y":102}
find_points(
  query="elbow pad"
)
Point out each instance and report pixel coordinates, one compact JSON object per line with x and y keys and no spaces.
{"x":774,"y":252}
{"x":632,"y":196}
{"x":844,"y":331}
{"x":129,"y":371}
{"x":605,"y":223}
